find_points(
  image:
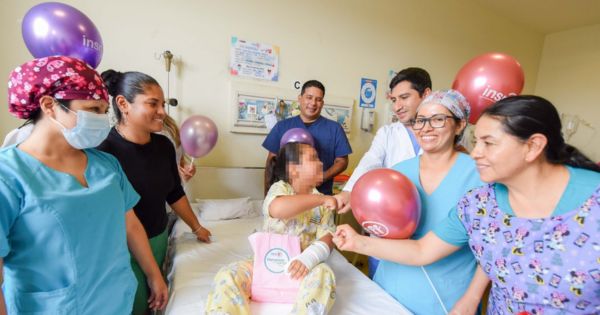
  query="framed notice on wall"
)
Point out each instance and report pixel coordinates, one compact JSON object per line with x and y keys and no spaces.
{"x":254,"y":60}
{"x":340,"y":113}
{"x":253,"y":104}
{"x":251,"y":110}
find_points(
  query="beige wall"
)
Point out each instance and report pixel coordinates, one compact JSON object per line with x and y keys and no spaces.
{"x":569,"y":78}
{"x":337,"y":42}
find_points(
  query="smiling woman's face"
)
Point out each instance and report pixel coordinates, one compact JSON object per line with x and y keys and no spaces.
{"x":438,"y":139}
{"x":147,"y":111}
{"x":498,"y":155}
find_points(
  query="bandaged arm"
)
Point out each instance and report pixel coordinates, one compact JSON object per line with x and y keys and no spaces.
{"x":320,"y":249}
{"x":314,"y":254}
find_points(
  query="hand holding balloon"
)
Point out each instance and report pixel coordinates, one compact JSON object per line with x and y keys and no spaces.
{"x":343,"y":201}
{"x":346,"y":238}
{"x":186,"y":172}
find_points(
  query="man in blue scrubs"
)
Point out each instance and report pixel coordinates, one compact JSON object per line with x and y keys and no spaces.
{"x":331,"y":142}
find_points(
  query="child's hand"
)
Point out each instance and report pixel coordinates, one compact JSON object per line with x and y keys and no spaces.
{"x":297,"y":270}
{"x":345,"y":238}
{"x":330,"y":203}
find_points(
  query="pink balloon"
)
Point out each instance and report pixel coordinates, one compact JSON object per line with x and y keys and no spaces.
{"x":386,"y":203}
{"x":297,"y":135}
{"x":487,"y":79}
{"x":198,"y":135}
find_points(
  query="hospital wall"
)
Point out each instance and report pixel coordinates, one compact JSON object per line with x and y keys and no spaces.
{"x":335,"y":41}
{"x":569,"y":78}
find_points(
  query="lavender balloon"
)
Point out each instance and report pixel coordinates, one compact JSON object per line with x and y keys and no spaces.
{"x":53,"y":28}
{"x":198,"y":135}
{"x":297,"y":135}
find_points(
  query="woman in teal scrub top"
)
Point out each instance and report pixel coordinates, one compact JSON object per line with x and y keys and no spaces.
{"x":65,"y":209}
{"x":442,"y":175}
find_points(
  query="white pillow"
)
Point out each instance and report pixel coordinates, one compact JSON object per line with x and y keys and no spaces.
{"x":255,"y":209}
{"x":223,"y":209}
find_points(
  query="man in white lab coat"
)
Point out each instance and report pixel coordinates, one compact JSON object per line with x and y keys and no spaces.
{"x":394,"y":142}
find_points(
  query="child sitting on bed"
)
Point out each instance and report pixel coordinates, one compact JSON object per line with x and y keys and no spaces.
{"x":292,"y":206}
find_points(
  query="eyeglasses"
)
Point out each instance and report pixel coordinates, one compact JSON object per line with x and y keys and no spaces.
{"x":435,"y":121}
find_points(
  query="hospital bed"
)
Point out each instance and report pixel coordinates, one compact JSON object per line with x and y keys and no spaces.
{"x":192,"y":265}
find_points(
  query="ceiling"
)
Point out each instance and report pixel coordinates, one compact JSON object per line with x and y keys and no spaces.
{"x":548,"y":16}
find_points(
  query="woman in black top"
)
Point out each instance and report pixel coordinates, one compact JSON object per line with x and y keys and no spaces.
{"x":149,"y":162}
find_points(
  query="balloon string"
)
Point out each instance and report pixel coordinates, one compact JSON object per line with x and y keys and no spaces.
{"x":168,"y":90}
{"x":434,"y":290}
{"x":192,"y":162}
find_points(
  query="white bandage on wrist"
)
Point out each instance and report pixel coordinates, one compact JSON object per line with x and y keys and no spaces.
{"x":314,"y":254}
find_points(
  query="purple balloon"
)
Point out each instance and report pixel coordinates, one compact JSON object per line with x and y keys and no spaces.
{"x":297,"y":135}
{"x":198,"y":135}
{"x":53,"y":28}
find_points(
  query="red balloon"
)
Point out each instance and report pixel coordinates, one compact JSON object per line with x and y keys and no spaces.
{"x":487,"y":79}
{"x":386,"y":204}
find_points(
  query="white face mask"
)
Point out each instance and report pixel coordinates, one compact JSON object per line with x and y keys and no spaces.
{"x":90,"y":130}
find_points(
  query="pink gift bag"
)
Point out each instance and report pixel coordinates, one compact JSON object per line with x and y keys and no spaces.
{"x":272,"y":252}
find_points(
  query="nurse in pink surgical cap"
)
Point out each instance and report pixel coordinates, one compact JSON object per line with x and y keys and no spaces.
{"x":66,"y":225}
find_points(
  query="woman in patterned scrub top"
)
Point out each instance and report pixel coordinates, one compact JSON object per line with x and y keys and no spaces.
{"x":534,"y":229}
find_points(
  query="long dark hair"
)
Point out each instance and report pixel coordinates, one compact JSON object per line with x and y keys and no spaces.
{"x":278,"y":166}
{"x":525,"y":115}
{"x":129,"y":84}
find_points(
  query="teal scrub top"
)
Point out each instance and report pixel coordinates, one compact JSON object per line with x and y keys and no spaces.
{"x":452,"y":275}
{"x":64,"y":245}
{"x":582,"y":184}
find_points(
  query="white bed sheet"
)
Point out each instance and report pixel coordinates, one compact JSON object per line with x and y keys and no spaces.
{"x":194,"y":265}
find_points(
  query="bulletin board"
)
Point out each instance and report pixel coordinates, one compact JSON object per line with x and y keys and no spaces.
{"x":251,"y":102}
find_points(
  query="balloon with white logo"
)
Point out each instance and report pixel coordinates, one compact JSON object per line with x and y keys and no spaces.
{"x":487,"y":79}
{"x":53,"y":28}
{"x":386,"y":204}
